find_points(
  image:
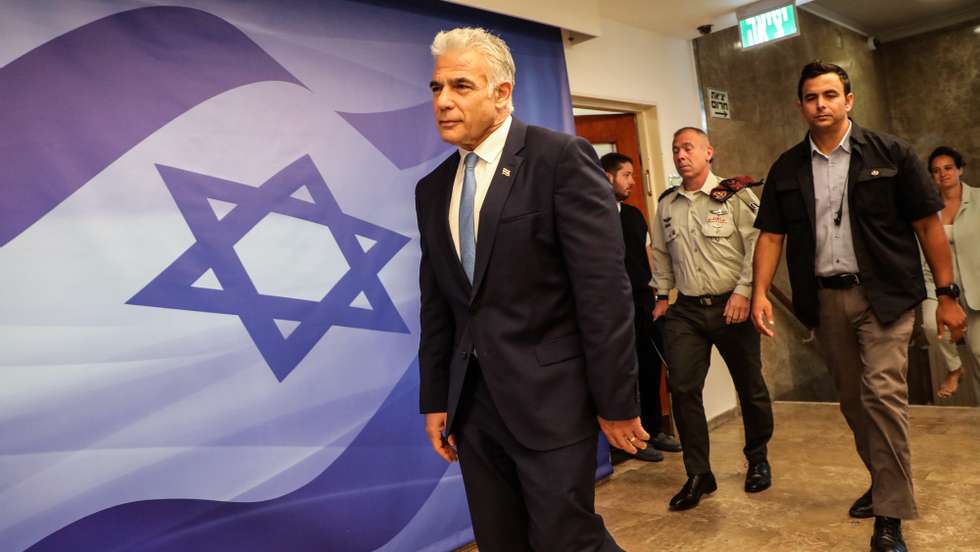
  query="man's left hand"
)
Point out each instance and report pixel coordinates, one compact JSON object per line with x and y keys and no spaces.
{"x":736,"y":309}
{"x":949,"y":314}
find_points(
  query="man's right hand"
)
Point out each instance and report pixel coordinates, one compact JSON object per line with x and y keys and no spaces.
{"x":660,"y":308}
{"x":762,"y":314}
{"x":949,"y":314}
{"x":627,"y":435}
{"x":435,"y":424}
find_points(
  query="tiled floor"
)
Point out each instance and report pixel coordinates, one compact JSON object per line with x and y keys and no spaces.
{"x":817,"y":474}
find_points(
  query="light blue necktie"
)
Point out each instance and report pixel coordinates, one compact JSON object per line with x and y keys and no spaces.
{"x":467,"y":237}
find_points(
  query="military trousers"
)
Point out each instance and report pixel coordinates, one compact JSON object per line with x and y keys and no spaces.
{"x":692,"y":328}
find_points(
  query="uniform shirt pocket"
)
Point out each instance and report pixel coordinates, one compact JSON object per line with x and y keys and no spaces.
{"x":718,"y":223}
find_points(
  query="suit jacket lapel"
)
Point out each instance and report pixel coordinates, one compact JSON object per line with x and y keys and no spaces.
{"x":447,"y":177}
{"x":493,"y":204}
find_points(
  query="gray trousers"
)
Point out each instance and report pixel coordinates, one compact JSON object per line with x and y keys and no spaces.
{"x":869,"y":362}
{"x":690,"y":331}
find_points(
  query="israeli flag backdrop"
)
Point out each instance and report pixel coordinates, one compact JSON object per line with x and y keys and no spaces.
{"x":208,"y":271}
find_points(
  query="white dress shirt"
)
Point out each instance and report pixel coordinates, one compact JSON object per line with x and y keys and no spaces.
{"x":488,"y":152}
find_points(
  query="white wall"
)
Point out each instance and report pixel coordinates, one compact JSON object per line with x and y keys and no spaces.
{"x":581,"y":16}
{"x":630,"y":64}
{"x":719,"y":391}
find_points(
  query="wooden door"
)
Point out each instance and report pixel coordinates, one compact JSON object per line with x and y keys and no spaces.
{"x":617,"y":133}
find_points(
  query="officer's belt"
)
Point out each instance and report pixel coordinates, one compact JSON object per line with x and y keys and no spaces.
{"x":704,"y":300}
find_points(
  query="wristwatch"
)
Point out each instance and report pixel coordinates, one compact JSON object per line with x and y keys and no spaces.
{"x":663,"y":297}
{"x":952,"y":290}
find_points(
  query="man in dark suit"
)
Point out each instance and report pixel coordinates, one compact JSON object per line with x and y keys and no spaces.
{"x":649,"y":340}
{"x":526,"y":318}
{"x":851,"y":203}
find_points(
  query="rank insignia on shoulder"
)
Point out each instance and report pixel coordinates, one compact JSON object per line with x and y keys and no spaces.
{"x":730,"y":186}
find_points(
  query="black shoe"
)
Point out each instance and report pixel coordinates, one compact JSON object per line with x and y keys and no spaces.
{"x":648,"y":454}
{"x":888,"y":535}
{"x":665,"y":443}
{"x":690,"y":495}
{"x":758,"y":478}
{"x":863,"y":507}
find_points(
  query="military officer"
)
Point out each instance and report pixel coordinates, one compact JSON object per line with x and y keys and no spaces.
{"x":703,"y":242}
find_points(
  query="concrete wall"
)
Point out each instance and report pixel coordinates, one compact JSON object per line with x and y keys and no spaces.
{"x":761,"y":84}
{"x":933,"y":80}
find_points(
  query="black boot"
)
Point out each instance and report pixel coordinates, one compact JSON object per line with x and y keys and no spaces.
{"x":758,"y":478}
{"x":888,"y":535}
{"x":862,"y":507}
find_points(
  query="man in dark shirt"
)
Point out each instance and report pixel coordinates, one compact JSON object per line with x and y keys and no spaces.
{"x":649,"y":341}
{"x":852,"y":202}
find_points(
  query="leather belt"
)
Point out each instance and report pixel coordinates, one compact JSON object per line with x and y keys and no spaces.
{"x":839,"y":281}
{"x":704,"y":300}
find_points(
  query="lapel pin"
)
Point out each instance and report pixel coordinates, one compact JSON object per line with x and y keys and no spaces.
{"x":505,"y":171}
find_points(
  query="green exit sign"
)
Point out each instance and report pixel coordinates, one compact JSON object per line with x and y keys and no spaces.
{"x":769,"y":26}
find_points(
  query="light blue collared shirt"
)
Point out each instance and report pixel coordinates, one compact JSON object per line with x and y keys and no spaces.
{"x":835,"y":244}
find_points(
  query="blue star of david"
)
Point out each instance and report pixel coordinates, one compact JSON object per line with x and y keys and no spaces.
{"x":214,"y":249}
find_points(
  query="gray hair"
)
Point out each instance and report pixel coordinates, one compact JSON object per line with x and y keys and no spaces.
{"x":695,"y":130}
{"x":493,"y":48}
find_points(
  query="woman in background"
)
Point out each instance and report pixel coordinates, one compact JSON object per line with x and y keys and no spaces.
{"x":961,"y":220}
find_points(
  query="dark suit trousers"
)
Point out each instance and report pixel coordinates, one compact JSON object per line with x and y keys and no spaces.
{"x":691,"y":330}
{"x":648,"y":339}
{"x":522,"y":499}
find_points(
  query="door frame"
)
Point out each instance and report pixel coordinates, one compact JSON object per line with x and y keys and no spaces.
{"x":648,"y":133}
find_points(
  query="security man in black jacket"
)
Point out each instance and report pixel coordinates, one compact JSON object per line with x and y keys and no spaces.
{"x":851,"y":203}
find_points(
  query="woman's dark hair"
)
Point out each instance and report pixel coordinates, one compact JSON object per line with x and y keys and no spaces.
{"x":946,"y":150}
